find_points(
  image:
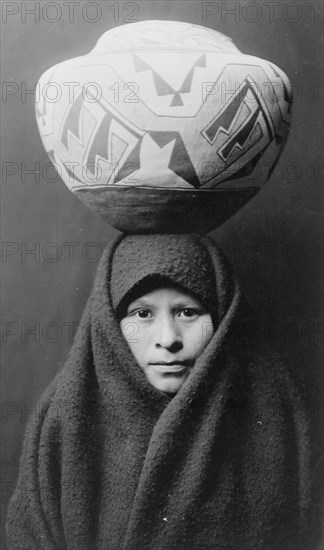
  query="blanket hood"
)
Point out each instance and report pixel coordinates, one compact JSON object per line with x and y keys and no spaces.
{"x":112,"y":463}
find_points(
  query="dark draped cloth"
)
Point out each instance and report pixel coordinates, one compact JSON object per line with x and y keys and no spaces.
{"x":111,"y":463}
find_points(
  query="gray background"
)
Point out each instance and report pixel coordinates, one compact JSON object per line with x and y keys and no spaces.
{"x":275,"y":243}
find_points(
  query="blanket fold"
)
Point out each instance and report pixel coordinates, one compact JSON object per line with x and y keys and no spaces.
{"x":111,"y":463}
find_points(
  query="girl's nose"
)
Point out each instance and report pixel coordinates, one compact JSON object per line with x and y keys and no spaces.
{"x":168,"y":335}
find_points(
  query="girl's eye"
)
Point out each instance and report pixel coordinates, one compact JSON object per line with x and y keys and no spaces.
{"x":142,"y":313}
{"x":188,"y":312}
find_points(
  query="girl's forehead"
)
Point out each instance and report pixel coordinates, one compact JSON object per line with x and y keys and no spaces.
{"x":166,"y":295}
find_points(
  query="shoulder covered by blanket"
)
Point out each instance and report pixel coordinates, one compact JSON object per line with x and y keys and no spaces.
{"x":111,"y":463}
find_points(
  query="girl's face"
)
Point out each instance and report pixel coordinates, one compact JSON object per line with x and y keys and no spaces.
{"x":166,"y":331}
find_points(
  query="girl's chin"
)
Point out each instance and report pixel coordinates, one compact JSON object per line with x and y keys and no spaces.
{"x":169,"y":384}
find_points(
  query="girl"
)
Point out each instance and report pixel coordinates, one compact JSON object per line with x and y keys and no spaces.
{"x":169,"y":427}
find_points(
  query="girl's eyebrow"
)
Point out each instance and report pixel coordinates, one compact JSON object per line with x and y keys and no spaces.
{"x":181,"y":304}
{"x":140,"y":301}
{"x":187,"y":304}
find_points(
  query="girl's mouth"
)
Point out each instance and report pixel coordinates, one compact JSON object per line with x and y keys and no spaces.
{"x":174,"y":367}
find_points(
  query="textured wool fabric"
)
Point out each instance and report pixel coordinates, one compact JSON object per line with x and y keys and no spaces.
{"x":111,"y":463}
{"x":181,"y":259}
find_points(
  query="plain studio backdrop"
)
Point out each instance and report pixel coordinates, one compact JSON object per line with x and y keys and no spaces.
{"x":51,"y":242}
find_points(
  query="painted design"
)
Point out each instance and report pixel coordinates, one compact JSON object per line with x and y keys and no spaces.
{"x":164,"y":35}
{"x":202,"y":115}
{"x":243,"y":122}
{"x":162,"y":87}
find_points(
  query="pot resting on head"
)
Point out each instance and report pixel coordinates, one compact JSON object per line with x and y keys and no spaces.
{"x":164,"y":126}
